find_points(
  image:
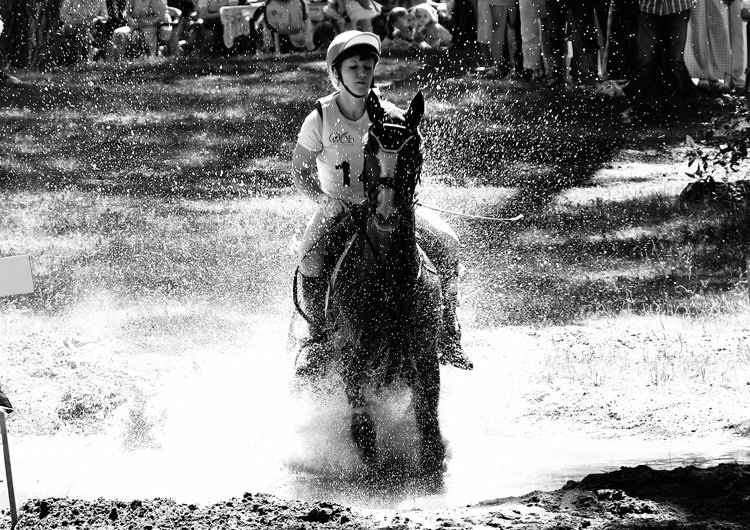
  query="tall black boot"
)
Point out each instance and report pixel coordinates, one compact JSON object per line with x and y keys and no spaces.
{"x":450,"y":350}
{"x":313,"y":354}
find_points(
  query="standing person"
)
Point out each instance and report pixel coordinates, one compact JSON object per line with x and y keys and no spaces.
{"x":557,"y":18}
{"x":331,"y":139}
{"x":715,"y":51}
{"x":464,"y":26}
{"x":623,"y":50}
{"x":662,"y":33}
{"x":496,"y":38}
{"x":5,"y":78}
{"x":531,"y":13}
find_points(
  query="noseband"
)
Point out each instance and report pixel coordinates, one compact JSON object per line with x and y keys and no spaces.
{"x":391,"y":139}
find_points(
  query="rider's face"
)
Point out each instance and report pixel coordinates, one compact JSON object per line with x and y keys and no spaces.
{"x":357,"y":74}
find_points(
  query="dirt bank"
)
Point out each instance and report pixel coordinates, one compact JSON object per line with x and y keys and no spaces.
{"x":683,"y":498}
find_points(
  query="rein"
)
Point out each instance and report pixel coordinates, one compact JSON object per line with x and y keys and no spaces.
{"x":470,"y":216}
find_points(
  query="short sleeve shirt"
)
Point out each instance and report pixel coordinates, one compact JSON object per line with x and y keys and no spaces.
{"x":666,"y":7}
{"x":339,"y":143}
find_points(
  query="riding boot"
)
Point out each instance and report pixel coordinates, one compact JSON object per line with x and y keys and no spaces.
{"x":450,"y":350}
{"x":313,"y":356}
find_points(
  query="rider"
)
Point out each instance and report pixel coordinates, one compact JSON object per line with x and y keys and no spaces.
{"x":331,"y":138}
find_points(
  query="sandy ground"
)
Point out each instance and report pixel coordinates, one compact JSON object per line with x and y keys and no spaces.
{"x":78,"y":390}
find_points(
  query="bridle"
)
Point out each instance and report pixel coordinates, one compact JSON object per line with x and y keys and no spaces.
{"x":391,"y":140}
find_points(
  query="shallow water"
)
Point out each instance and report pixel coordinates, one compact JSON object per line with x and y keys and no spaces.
{"x":228,"y":424}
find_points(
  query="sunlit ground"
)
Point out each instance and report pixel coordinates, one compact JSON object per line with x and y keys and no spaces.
{"x":155,"y":202}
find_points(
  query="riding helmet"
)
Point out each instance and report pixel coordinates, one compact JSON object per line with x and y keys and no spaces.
{"x":345,"y":43}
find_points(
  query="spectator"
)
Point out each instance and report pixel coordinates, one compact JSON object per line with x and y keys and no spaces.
{"x":497,"y":41}
{"x":105,"y":28}
{"x":402,"y":32}
{"x":77,"y":18}
{"x":662,"y":33}
{"x":361,"y":13}
{"x":464,"y":25}
{"x":622,"y":52}
{"x":557,"y":17}
{"x":142,"y":19}
{"x":428,"y":27}
{"x":182,"y":37}
{"x":352,"y":14}
{"x":715,"y":51}
{"x":336,"y":11}
{"x":6,"y":78}
{"x":211,"y":35}
{"x":531,"y":13}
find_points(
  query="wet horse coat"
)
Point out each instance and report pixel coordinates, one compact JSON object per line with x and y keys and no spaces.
{"x":386,"y":295}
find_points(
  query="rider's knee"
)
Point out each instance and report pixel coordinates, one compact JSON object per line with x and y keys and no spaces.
{"x":312,"y":265}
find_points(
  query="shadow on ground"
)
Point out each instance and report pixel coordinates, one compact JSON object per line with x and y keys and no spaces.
{"x":172,"y":130}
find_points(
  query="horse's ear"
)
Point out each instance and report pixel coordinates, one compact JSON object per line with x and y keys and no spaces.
{"x":375,"y":110}
{"x":416,"y":110}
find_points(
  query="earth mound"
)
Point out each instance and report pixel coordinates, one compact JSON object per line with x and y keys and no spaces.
{"x":641,"y":497}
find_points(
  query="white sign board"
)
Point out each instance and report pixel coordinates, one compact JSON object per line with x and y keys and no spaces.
{"x":15,"y":276}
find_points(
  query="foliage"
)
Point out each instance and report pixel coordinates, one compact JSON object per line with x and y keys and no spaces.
{"x":714,"y":166}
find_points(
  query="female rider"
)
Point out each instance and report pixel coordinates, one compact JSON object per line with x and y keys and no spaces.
{"x":332,"y":139}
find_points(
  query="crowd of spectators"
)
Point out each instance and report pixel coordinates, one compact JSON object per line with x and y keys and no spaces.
{"x":650,"y":50}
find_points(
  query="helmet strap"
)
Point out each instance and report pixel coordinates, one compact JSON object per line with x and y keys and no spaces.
{"x":341,"y":80}
{"x":352,"y":93}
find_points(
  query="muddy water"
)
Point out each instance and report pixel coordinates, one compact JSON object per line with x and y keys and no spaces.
{"x":223,"y":422}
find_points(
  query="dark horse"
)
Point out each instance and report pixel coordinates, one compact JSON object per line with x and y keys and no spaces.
{"x":385,"y":297}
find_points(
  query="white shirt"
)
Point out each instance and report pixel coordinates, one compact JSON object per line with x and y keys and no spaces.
{"x":339,"y":143}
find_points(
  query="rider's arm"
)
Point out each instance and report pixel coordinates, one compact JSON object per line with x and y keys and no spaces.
{"x":306,"y":182}
{"x":303,"y":162}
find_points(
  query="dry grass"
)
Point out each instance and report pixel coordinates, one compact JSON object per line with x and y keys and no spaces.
{"x":171,"y":180}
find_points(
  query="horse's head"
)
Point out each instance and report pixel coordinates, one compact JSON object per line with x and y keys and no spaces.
{"x":393,"y":162}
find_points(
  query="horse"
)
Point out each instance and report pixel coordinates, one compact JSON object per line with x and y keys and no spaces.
{"x":384,"y":301}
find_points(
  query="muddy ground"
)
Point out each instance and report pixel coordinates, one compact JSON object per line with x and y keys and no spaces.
{"x":640,"y":497}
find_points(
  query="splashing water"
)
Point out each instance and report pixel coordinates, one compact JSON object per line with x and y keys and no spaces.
{"x":224,"y":422}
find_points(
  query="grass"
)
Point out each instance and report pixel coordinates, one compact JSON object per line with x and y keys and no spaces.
{"x":171,"y":180}
{"x":156,"y":202}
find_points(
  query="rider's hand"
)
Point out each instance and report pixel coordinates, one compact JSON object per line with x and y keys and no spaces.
{"x":332,"y":207}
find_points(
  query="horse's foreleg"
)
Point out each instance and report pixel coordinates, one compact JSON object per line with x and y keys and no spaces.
{"x":364,"y":436}
{"x":362,"y":427}
{"x":427,"y":395}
